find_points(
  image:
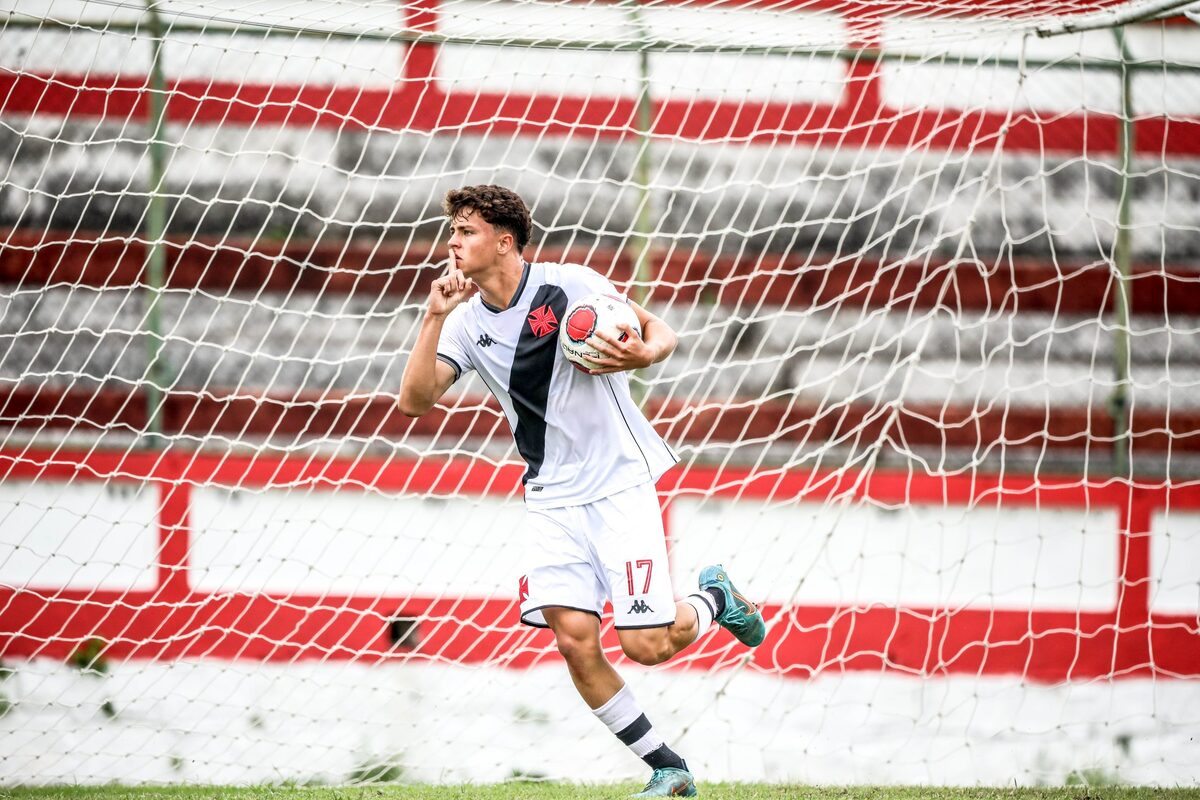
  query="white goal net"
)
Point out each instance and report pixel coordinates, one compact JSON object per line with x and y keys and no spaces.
{"x":935,"y":268}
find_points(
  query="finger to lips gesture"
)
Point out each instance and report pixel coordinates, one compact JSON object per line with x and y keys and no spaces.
{"x":450,"y":289}
{"x":620,"y":354}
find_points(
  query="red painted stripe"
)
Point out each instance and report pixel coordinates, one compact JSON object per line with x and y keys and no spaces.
{"x":330,"y":414}
{"x":437,"y":476}
{"x":420,"y":60}
{"x":174,"y":540}
{"x":800,"y":281}
{"x":788,"y":280}
{"x":173,"y":623}
{"x":1042,"y":646}
{"x":425,"y":107}
{"x":1038,"y":645}
{"x":1133,"y":617}
{"x":465,"y":475}
{"x":941,"y":427}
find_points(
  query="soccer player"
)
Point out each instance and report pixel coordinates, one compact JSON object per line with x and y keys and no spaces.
{"x":592,"y":461}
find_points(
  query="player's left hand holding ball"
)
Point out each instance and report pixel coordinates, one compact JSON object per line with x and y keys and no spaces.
{"x":628,"y":352}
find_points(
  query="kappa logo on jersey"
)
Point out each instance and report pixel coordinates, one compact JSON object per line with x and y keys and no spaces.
{"x":542,"y":321}
{"x":581,"y":324}
{"x":485,"y":340}
{"x":639,"y":607}
{"x":523,"y":588}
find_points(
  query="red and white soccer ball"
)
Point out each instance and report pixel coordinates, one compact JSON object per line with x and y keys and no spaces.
{"x":596,"y":312}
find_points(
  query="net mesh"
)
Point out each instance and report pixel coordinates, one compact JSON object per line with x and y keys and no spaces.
{"x":933,"y":266}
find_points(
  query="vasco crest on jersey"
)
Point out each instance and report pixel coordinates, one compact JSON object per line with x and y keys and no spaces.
{"x":542,"y":321}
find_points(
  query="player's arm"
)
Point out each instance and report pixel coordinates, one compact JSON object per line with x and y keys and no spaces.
{"x":656,"y":342}
{"x":426,"y":377}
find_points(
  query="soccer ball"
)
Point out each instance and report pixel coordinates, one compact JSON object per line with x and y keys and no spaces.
{"x":596,"y":312}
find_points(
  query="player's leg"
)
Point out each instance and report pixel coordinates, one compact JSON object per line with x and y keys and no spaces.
{"x":650,"y":646}
{"x":718,"y":600}
{"x":562,"y":591}
{"x":631,"y":553}
{"x":577,"y":634}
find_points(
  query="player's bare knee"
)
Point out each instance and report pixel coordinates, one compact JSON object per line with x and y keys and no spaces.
{"x":575,"y":649}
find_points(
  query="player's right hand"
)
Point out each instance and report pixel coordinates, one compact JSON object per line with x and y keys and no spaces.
{"x":449,"y":290}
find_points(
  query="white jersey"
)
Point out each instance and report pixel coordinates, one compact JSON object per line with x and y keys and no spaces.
{"x":582,"y":436}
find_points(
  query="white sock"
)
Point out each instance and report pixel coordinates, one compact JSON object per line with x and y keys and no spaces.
{"x":705,"y":612}
{"x":625,"y":719}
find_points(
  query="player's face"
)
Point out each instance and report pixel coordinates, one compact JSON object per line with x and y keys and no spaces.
{"x":474,"y":242}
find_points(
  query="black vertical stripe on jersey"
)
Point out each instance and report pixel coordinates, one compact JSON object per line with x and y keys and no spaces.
{"x":529,"y":381}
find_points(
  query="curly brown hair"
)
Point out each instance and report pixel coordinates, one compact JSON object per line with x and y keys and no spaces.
{"x":501,"y":207}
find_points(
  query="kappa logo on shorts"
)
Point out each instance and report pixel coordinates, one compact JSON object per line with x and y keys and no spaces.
{"x":639,"y":607}
{"x":523,"y":588}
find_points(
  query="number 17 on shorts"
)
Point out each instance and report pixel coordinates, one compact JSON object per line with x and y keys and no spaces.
{"x":647,"y":600}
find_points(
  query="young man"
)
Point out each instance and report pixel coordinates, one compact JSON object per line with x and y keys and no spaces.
{"x":592,"y":461}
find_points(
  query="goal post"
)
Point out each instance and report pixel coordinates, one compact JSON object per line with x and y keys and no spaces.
{"x":935,"y":271}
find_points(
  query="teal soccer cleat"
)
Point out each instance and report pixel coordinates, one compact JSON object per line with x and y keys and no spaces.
{"x":740,"y":617}
{"x":669,"y":782}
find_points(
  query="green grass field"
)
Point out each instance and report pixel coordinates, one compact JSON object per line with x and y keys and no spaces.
{"x":563,"y":791}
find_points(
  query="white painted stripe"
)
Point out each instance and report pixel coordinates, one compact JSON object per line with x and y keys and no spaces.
{"x":629,"y":24}
{"x":86,"y":535}
{"x":945,"y":80}
{"x":952,"y":85}
{"x":675,"y":76}
{"x":751,"y":27}
{"x":1175,"y":562}
{"x":506,"y":20}
{"x":949,"y":78}
{"x":252,"y":723}
{"x":240,"y":59}
{"x":973,"y":38}
{"x":518,"y":71}
{"x":339,"y":14}
{"x":597,"y":73}
{"x":354,"y":542}
{"x":923,"y":556}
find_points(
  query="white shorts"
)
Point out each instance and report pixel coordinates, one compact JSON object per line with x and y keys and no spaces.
{"x":613,"y":549}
